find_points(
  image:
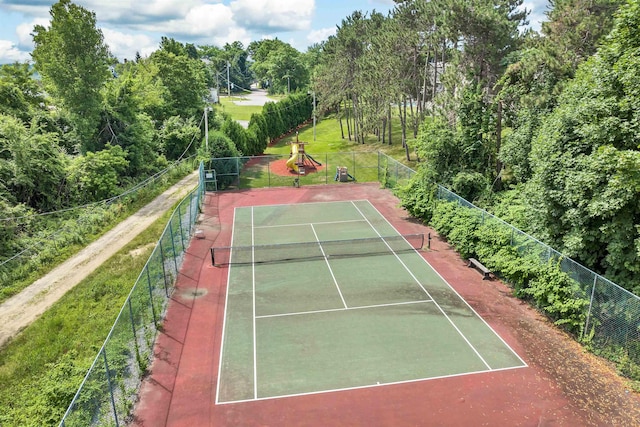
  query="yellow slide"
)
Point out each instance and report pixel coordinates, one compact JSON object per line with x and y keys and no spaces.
{"x":291,"y":163}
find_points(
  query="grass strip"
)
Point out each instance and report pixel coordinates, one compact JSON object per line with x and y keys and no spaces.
{"x":43,"y":367}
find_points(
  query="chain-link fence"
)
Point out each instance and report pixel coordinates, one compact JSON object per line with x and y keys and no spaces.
{"x":108,"y":391}
{"x":45,"y":245}
{"x":613,"y":316}
{"x":234,"y":173}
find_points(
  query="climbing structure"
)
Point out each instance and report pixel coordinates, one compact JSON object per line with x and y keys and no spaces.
{"x":300,"y":160}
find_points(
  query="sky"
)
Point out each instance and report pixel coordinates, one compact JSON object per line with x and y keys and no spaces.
{"x":131,"y":26}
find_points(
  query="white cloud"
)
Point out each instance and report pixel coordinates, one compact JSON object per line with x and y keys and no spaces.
{"x":124,"y":45}
{"x":317,"y":36}
{"x":537,"y":9}
{"x":118,"y":11}
{"x":205,"y":24}
{"x":280,"y":15}
{"x":23,"y":31}
{"x":9,"y":52}
{"x":381,"y":2}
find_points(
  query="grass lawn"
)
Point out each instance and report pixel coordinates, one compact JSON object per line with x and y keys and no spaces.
{"x":329,"y":140}
{"x":328,"y":135}
{"x":238,"y":112}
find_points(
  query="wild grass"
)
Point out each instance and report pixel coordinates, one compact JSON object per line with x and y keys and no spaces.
{"x":64,"y":238}
{"x":42,"y":368}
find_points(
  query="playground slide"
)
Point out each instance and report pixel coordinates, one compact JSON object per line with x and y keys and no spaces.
{"x":291,"y":163}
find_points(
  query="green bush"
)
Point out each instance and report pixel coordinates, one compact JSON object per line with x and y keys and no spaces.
{"x":491,"y":241}
{"x":418,"y":196}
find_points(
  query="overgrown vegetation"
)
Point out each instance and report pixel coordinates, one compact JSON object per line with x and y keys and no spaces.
{"x":41,"y":369}
{"x":539,"y":128}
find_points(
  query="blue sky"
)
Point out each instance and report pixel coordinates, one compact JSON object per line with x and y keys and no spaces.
{"x":131,"y":26}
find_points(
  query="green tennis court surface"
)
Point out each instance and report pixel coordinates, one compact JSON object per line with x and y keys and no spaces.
{"x":320,"y":322}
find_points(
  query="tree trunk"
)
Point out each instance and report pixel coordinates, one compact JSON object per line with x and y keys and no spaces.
{"x":356,"y":118}
{"x":389,"y":120}
{"x":384,"y":129}
{"x":498,"y":183}
{"x":414,"y":121}
{"x":435,"y":81}
{"x":406,"y":150}
{"x":403,"y":118}
{"x":340,"y":119}
{"x":347,"y":110}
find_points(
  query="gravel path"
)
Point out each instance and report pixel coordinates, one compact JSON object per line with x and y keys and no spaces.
{"x":21,"y":310}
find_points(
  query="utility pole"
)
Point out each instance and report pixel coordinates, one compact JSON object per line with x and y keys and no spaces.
{"x":206,"y":127}
{"x":228,"y":81}
{"x":314,"y":115}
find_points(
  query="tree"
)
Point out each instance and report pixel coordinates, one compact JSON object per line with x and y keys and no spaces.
{"x":20,"y":93}
{"x":278,"y":66}
{"x":32,"y":165}
{"x":183,"y":78}
{"x":73,"y":60}
{"x":97,"y":175}
{"x":178,"y":136}
{"x":125,"y":123}
{"x":585,"y":160}
{"x":537,"y":74}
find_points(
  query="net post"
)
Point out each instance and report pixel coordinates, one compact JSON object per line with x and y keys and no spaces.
{"x":213,"y":259}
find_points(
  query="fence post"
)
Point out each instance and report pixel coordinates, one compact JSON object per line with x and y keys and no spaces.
{"x":593,"y":291}
{"x":238,"y":170}
{"x":173,"y":247}
{"x":180,"y":224}
{"x":164,"y":270}
{"x":113,"y":401}
{"x":326,"y":168}
{"x":153,"y":306}
{"x":353,"y":157}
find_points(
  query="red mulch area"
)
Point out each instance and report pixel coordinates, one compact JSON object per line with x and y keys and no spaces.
{"x":562,"y":385}
{"x":279,"y":167}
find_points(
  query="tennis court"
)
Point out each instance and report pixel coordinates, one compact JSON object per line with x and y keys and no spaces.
{"x":330,"y":296}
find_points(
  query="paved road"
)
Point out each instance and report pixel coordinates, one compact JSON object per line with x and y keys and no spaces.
{"x":256,"y":97}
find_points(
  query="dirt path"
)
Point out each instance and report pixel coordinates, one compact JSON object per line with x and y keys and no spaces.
{"x":19,"y":311}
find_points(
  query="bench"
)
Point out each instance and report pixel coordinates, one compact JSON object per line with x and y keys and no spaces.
{"x":484,"y":270}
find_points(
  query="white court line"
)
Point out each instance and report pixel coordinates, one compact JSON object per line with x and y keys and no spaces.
{"x":309,"y":223}
{"x":456,"y":292}
{"x":338,"y":202}
{"x":330,"y":310}
{"x":354,"y":308}
{"x":423,"y":288}
{"x":369,"y":386}
{"x":335,"y":281}
{"x":253,"y":278}
{"x":224,"y":318}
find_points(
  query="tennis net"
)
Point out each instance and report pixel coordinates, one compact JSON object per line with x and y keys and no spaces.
{"x":283,"y":252}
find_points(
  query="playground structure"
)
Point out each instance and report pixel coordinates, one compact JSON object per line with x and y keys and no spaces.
{"x":300,"y":160}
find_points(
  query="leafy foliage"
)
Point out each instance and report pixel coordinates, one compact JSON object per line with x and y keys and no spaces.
{"x":492,"y":242}
{"x":73,"y":60}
